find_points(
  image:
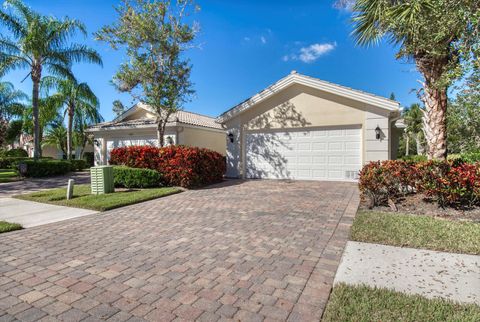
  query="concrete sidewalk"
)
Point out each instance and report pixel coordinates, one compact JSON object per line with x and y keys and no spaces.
{"x":31,"y":214}
{"x":415,"y":271}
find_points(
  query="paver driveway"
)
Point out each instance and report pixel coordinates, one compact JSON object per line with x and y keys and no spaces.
{"x":247,"y":251}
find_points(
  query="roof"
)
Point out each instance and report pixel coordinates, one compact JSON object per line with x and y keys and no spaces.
{"x":296,"y":78}
{"x":182,"y":117}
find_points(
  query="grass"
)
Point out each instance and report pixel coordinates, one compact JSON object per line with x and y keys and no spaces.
{"x":6,"y":227}
{"x":82,"y":198}
{"x":416,"y":231}
{"x":362,"y":303}
{"x":7,"y":175}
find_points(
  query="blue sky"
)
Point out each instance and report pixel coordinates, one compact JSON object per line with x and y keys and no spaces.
{"x":245,"y":46}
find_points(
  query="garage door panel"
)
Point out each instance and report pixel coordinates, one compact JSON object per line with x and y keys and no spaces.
{"x":307,"y":155}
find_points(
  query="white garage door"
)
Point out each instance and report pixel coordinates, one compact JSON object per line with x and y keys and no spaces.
{"x":326,"y":154}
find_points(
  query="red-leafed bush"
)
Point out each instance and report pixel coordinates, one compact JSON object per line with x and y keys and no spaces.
{"x":178,"y":165}
{"x":450,"y":183}
{"x":381,"y":181}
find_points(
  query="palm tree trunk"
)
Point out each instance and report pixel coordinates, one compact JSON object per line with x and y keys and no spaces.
{"x":407,"y":144}
{"x":36,"y":76}
{"x":434,"y":122}
{"x":418,"y":141}
{"x":69,"y":131}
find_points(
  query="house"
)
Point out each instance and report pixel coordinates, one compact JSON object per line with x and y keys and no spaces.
{"x":137,"y":126}
{"x":308,"y":129}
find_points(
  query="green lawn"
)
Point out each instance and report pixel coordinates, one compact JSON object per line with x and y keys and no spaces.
{"x":7,"y":175}
{"x":6,"y":227}
{"x":83,"y":199}
{"x":361,"y":303}
{"x":416,"y":231}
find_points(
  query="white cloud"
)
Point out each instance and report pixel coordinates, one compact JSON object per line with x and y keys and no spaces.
{"x":246,"y":38}
{"x":263,"y":39}
{"x":311,"y":53}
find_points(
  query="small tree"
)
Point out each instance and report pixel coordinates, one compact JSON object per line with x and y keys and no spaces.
{"x":440,"y":36}
{"x":118,"y":108}
{"x":155,"y":34}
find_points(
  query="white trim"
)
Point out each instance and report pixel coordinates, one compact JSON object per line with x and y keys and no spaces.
{"x":295,"y":78}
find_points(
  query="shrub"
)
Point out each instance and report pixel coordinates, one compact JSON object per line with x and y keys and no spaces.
{"x":135,"y":177}
{"x":44,"y":168}
{"x":470,"y":157}
{"x":89,"y":157}
{"x":78,"y":165}
{"x":178,"y":165}
{"x":450,"y":183}
{"x":17,"y":153}
{"x":415,"y":158}
{"x":386,"y":181}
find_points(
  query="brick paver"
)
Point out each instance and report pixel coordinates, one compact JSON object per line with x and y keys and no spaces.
{"x":241,"y":250}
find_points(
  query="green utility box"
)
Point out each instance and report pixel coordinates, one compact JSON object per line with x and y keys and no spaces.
{"x":102,"y":179}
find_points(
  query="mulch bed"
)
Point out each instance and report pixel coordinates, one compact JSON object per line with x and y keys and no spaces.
{"x":418,"y":204}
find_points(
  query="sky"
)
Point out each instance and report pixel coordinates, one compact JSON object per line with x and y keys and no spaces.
{"x":243,"y":47}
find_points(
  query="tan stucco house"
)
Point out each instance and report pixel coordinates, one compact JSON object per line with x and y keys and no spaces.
{"x":137,"y":126}
{"x":308,"y":129}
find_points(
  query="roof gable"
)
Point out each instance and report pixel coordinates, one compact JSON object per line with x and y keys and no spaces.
{"x":295,"y":78}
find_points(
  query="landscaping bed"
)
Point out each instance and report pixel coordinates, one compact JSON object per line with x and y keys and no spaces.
{"x":82,"y":197}
{"x":6,"y":227}
{"x":362,"y":303}
{"x":415,"y":231}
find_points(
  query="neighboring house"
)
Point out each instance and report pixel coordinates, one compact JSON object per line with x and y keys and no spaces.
{"x":25,"y":142}
{"x":308,"y":129}
{"x":137,"y":126}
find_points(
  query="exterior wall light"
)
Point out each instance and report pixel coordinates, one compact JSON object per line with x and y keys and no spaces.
{"x":378,"y":132}
{"x":96,"y":142}
{"x":169,"y":140}
{"x":230,"y":136}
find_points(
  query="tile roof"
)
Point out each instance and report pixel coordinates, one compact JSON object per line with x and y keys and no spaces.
{"x":180,"y":117}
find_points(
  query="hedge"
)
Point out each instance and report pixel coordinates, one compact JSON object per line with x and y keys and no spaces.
{"x":135,"y":177}
{"x":450,"y":183}
{"x":9,"y":162}
{"x":45,"y":168}
{"x":178,"y":165}
{"x":17,"y":153}
{"x":77,"y":165}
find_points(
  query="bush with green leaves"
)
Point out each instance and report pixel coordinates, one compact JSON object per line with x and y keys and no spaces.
{"x":44,"y":168}
{"x":16,"y":153}
{"x":89,"y":157}
{"x":78,"y":165}
{"x":135,"y":177}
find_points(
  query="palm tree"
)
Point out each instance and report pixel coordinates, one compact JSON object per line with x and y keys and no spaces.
{"x":80,"y":103}
{"x":41,"y":43}
{"x":84,"y":116}
{"x":413,"y":119}
{"x":57,"y":136}
{"x":441,"y":37}
{"x":10,"y":101}
{"x":10,"y":105}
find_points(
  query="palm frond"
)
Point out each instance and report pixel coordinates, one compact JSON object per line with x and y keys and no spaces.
{"x":80,"y":53}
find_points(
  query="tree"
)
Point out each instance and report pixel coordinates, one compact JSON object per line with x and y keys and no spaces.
{"x":155,"y":34}
{"x":118,"y":108}
{"x":10,"y":105}
{"x":83,"y":118}
{"x":13,"y":131}
{"x":440,"y":36}
{"x":57,"y":136}
{"x":463,"y":118}
{"x":413,"y":120}
{"x":78,"y":99}
{"x":41,"y":43}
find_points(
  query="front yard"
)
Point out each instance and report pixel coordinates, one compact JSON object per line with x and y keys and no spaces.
{"x":7,"y":175}
{"x":416,"y":231}
{"x":82,"y":197}
{"x":362,"y":303}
